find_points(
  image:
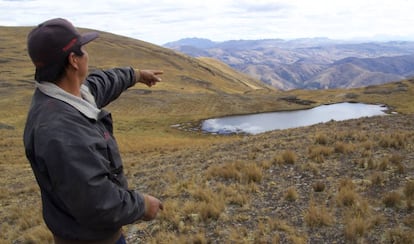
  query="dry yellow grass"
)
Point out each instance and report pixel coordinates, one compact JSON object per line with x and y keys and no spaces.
{"x":291,"y":194}
{"x":347,"y":197}
{"x":317,"y":216}
{"x":322,"y":139}
{"x":392,"y":199}
{"x":318,"y":186}
{"x":319,"y":152}
{"x":344,"y":148}
{"x":355,"y":228}
{"x":286,"y":157}
{"x":399,"y":235}
{"x":409,"y":190}
{"x":218,"y":189}
{"x":377,"y":179}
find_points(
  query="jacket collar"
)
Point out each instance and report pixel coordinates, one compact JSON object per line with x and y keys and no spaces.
{"x":85,"y":105}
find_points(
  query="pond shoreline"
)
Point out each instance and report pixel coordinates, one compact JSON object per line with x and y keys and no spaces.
{"x":268,"y":121}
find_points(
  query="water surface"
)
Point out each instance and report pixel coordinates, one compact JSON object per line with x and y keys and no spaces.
{"x":258,"y":123}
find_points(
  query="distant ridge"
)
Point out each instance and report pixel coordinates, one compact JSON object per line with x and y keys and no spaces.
{"x":309,"y":63}
{"x":194,"y":42}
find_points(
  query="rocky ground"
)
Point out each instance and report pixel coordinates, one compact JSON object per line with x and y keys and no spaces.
{"x":339,"y":182}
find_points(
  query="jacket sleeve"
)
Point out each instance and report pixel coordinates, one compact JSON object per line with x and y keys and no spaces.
{"x":107,"y":85}
{"x":79,"y":177}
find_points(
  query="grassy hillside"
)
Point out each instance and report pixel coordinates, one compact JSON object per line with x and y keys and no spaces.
{"x":350,"y":181}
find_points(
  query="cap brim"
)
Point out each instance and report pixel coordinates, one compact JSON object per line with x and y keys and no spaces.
{"x":88,"y":37}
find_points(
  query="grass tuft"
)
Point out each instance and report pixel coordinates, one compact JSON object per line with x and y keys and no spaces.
{"x":291,"y":194}
{"x":243,"y":172}
{"x":396,"y":158}
{"x":392,"y":199}
{"x":229,"y":171}
{"x":395,"y":140}
{"x":377,"y":178}
{"x":344,"y":148}
{"x":321,"y":139}
{"x":409,"y":221}
{"x":355,"y":228}
{"x":383,"y":165}
{"x":287,"y":157}
{"x":347,"y":197}
{"x":398,"y":235}
{"x":409,"y":190}
{"x":318,"y":186}
{"x":251,"y":173}
{"x":319,"y":152}
{"x":317,"y":216}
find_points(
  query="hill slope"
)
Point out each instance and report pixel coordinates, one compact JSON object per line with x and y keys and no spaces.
{"x":350,"y":181}
{"x":181,"y":72}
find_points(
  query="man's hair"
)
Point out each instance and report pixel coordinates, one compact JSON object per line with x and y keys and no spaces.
{"x":60,"y":71}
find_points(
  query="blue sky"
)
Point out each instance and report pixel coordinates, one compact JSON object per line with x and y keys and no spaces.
{"x":163,"y":21}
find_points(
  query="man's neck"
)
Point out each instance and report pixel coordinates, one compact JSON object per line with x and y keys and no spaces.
{"x":70,"y":85}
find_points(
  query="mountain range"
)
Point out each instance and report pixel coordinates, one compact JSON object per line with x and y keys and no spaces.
{"x":309,"y":63}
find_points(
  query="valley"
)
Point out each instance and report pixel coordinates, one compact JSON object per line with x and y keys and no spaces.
{"x":334,"y":182}
{"x":313,"y":63}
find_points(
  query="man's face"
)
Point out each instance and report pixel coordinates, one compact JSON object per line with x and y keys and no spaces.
{"x":83,"y":64}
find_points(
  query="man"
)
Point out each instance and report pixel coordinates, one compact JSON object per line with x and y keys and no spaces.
{"x":69,"y":139}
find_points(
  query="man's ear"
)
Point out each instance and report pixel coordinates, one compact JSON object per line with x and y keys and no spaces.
{"x":73,"y":60}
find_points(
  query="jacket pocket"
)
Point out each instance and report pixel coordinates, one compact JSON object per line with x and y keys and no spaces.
{"x":116,"y":167}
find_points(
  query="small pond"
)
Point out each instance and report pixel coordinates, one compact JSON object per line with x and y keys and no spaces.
{"x":258,"y":123}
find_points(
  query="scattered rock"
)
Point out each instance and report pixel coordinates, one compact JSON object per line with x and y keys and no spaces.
{"x":6,"y":127}
{"x":294,"y":99}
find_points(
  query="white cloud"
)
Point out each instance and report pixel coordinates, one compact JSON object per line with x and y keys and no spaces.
{"x":167,"y":20}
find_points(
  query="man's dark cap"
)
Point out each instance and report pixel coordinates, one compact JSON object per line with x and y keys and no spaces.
{"x":50,"y":43}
